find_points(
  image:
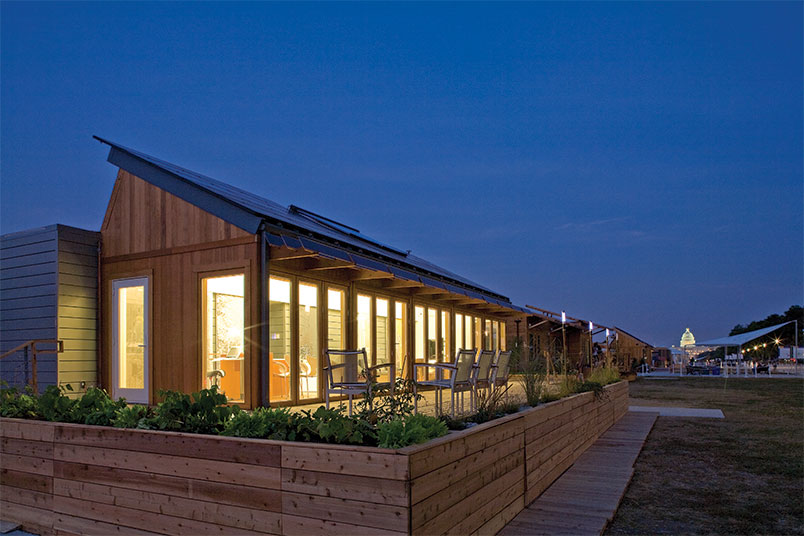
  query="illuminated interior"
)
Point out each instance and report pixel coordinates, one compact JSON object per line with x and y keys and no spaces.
{"x":309,"y":353}
{"x":223,"y":328}
{"x":131,"y":337}
{"x":419,"y":344}
{"x":401,"y":338}
{"x":364,"y":324}
{"x":279,"y":343}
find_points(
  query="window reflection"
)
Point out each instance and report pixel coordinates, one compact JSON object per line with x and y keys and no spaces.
{"x":279,"y":343}
{"x":308,"y":341}
{"x":223,"y":305}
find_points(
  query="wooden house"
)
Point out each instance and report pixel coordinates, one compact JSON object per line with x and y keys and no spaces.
{"x":203,"y":283}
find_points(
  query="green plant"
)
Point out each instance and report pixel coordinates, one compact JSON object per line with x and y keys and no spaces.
{"x":135,"y":416}
{"x":489,"y":404}
{"x":332,"y":426}
{"x":266,"y":423}
{"x":54,"y":405}
{"x":594,"y":387}
{"x":410,"y":430}
{"x":381,"y":405}
{"x":203,"y":412}
{"x":95,"y":407}
{"x":532,"y":380}
{"x":18,"y":405}
{"x":604,"y":375}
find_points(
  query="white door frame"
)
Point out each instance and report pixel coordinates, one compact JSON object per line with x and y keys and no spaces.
{"x":136,"y":396}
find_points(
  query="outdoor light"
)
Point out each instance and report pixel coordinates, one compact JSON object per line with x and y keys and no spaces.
{"x":591,"y":326}
{"x":563,"y":317}
{"x":607,"y":333}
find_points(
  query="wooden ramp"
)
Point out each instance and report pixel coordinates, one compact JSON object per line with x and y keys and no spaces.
{"x":584,"y":499}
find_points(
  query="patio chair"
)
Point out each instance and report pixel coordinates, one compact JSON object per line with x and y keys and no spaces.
{"x":460,"y":380}
{"x":481,"y":376}
{"x":354,"y":375}
{"x":500,"y":369}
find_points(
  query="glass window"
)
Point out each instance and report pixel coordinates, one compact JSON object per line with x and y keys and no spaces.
{"x":309,"y":352}
{"x":459,"y":335}
{"x":279,"y":343}
{"x":487,"y":345}
{"x":468,"y":340}
{"x":444,"y":341}
{"x":478,"y":333}
{"x":224,"y":326}
{"x":503,"y":342}
{"x":419,"y":342}
{"x":383,"y":333}
{"x":400,"y":338}
{"x":364,"y":324}
{"x":495,"y":332}
{"x":432,"y":333}
{"x":336,"y":319}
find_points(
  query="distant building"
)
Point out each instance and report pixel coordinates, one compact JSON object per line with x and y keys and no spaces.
{"x":687,"y":339}
{"x":661,"y":357}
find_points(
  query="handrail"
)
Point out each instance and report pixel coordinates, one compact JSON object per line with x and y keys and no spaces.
{"x":35,"y":352}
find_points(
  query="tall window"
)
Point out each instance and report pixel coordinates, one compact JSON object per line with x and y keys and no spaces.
{"x":468,"y":340}
{"x":445,"y":339}
{"x":336,"y":319}
{"x":419,"y":337}
{"x":478,"y":337}
{"x":495,"y":332}
{"x":364,"y":324}
{"x":279,"y":343}
{"x":309,"y":351}
{"x":401,"y":337}
{"x":383,"y":334}
{"x":432,"y":334}
{"x":487,"y":344}
{"x":503,"y":342}
{"x":223,"y":328}
{"x":459,"y":338}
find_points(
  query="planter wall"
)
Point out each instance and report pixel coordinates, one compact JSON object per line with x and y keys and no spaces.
{"x":75,"y":479}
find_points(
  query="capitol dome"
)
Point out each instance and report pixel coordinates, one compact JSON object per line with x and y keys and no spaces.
{"x":688,"y":339}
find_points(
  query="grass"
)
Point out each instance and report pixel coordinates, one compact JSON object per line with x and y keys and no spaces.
{"x":740,"y":475}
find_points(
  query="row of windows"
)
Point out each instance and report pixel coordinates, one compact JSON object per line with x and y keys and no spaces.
{"x":381,"y":327}
{"x":306,"y":317}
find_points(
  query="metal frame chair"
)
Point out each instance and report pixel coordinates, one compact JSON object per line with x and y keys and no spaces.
{"x":350,"y":382}
{"x":460,"y":380}
{"x":481,"y":375}
{"x":500,"y":369}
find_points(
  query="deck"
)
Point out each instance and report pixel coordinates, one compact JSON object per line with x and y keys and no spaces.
{"x":585,"y":498}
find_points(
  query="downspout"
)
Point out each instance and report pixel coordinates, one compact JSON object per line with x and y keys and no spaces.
{"x":99,"y":324}
{"x":265,"y":357}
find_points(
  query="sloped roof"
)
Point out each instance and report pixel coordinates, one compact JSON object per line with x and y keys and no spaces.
{"x":741,"y":338}
{"x":250,"y":211}
{"x":634,"y":337}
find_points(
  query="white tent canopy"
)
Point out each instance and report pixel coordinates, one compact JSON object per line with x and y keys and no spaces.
{"x":742,"y":338}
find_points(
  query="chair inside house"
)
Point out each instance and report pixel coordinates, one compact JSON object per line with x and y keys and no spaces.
{"x":500,"y":369}
{"x":481,"y":377}
{"x":348,"y":373}
{"x":459,"y":381}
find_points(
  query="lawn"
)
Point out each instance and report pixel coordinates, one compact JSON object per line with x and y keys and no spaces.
{"x":740,"y":475}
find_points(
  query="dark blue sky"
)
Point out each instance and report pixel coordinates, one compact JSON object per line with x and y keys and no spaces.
{"x":639,"y":164}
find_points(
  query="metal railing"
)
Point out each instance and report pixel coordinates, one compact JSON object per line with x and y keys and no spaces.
{"x":30,"y":352}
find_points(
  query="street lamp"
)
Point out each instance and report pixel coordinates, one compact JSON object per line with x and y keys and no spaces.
{"x":563,"y":343}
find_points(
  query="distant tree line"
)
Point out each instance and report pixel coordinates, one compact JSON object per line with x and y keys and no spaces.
{"x":787,"y":333}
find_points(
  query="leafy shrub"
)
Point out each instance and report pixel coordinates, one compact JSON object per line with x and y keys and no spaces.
{"x":594,"y":387}
{"x":332,"y":426}
{"x":18,"y":405}
{"x":265,"y":423}
{"x":133,"y":417}
{"x":203,"y":412}
{"x":381,"y":405}
{"x":54,"y":405}
{"x":410,"y":430}
{"x":95,"y":407}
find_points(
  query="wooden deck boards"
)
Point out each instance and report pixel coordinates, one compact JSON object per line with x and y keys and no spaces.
{"x":584,"y":499}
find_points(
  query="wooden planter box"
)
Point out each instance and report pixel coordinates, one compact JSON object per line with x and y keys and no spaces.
{"x":76,"y":479}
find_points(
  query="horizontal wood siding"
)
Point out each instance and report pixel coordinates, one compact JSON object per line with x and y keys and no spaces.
{"x":76,"y":479}
{"x":28,"y":300}
{"x":78,"y":308}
